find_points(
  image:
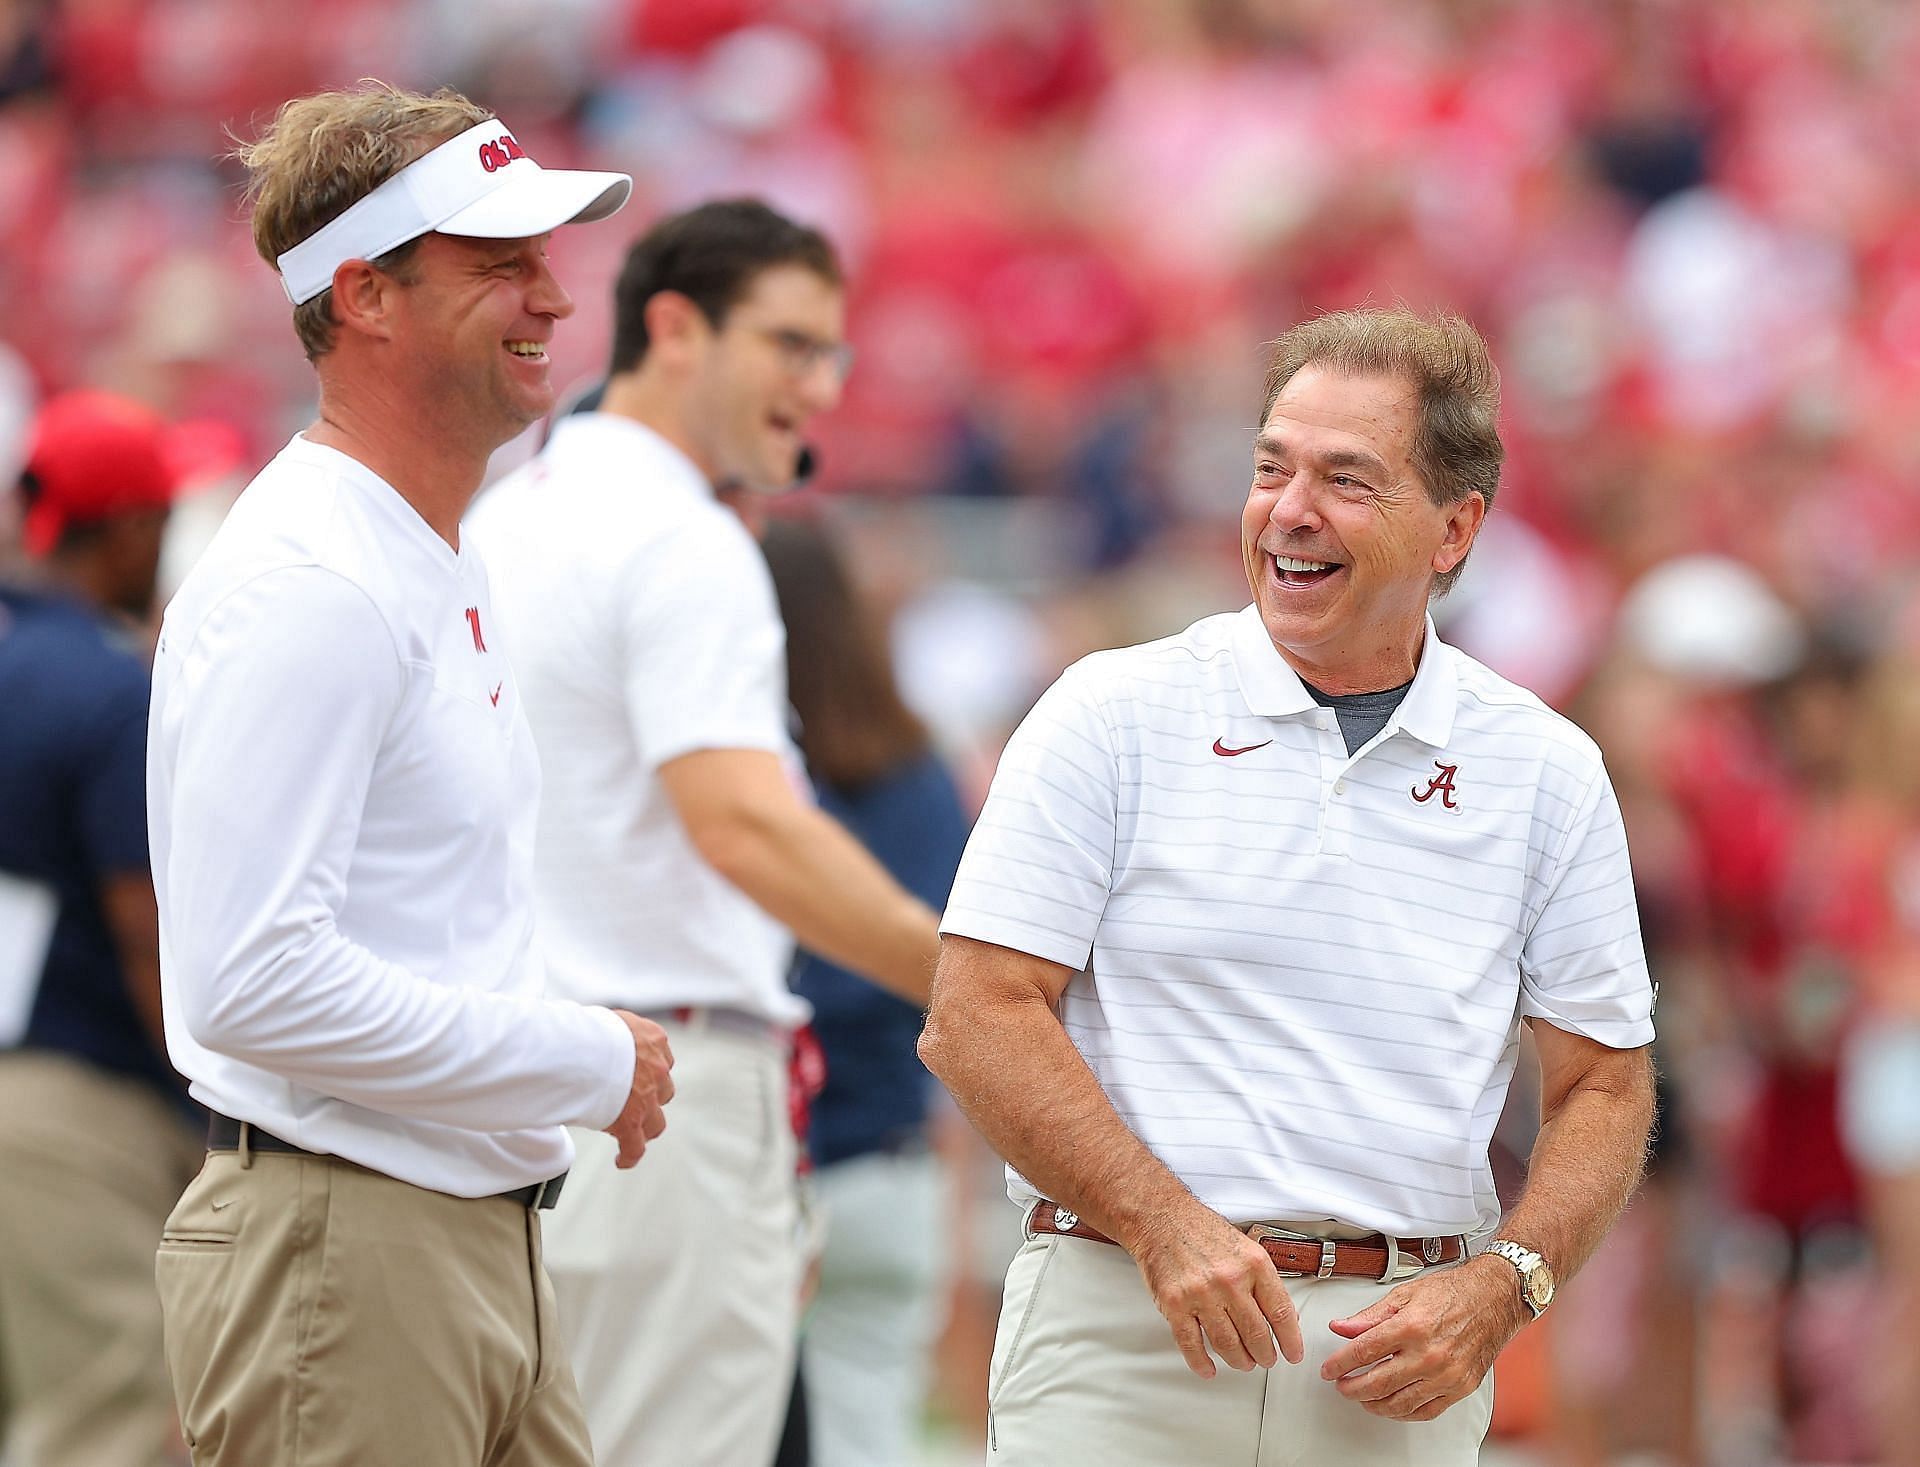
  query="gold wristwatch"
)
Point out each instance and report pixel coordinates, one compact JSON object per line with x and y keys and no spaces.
{"x":1536,"y":1279}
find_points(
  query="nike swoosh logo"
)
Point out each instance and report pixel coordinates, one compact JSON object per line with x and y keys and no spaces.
{"x":1225,"y":753}
{"x":218,"y":1205}
{"x":495,"y":694}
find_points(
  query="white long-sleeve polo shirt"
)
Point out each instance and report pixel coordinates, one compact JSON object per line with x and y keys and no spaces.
{"x":342,"y":791}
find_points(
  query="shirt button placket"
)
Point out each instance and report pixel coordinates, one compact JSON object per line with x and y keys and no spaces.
{"x":1333,"y":757}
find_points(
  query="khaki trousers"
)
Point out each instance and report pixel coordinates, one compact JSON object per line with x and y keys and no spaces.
{"x":1085,"y":1370}
{"x":89,"y":1164}
{"x":322,"y":1315}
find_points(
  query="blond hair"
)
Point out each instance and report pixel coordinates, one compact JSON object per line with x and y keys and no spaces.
{"x":1456,"y":442}
{"x":324,"y":153}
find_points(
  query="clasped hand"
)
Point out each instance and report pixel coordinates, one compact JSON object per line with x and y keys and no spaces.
{"x":1429,"y":1342}
{"x":1218,"y":1287}
{"x":1408,"y":1357}
{"x":643,"y":1117}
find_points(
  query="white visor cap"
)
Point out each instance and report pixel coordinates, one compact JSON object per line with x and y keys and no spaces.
{"x":480,"y":184}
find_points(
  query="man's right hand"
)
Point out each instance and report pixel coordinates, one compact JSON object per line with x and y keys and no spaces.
{"x":1218,"y":1287}
{"x":643,"y":1116}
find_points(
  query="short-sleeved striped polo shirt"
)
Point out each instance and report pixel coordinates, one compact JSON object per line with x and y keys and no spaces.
{"x":1300,"y":973}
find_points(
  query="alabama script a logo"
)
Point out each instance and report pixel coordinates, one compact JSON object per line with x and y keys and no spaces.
{"x":1441,"y":784}
{"x":473,"y":625}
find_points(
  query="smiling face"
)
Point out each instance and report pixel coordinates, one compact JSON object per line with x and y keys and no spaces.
{"x":761,"y":376}
{"x":473,"y":326}
{"x":1340,"y":537}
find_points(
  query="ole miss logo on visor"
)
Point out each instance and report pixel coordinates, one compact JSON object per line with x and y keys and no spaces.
{"x":497,"y":155}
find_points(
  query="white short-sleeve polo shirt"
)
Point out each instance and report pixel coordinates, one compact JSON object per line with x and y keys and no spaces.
{"x":644,"y":626}
{"x":1301,"y":973}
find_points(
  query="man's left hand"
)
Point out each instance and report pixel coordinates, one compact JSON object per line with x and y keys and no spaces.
{"x":1430,"y":1342}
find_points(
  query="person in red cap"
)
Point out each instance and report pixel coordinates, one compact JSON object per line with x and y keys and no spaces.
{"x":96,"y":1138}
{"x":97,"y":487}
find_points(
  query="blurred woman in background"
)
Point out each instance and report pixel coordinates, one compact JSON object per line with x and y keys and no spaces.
{"x":869,"y":1335}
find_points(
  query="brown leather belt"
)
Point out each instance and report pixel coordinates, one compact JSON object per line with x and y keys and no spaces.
{"x":1374,"y":1256}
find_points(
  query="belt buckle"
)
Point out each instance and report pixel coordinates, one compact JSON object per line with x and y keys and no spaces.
{"x":1431,"y":1251}
{"x":1391,"y":1270}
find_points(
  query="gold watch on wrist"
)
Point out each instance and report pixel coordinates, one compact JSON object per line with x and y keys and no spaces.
{"x":1536,"y":1278}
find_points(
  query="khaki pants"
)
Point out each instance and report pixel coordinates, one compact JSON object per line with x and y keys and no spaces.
{"x":89,"y":1164}
{"x":679,"y":1280}
{"x":322,"y":1315}
{"x":1085,"y":1370}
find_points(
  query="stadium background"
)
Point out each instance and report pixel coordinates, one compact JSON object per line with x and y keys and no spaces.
{"x":1692,"y":232}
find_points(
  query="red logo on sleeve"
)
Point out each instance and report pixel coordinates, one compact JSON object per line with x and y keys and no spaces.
{"x":473,"y":624}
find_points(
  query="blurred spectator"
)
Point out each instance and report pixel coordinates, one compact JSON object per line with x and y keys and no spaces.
{"x":95,"y":1136}
{"x":868,"y":1337}
{"x":1882,"y":1072}
{"x":1751,"y":741}
{"x":1623,"y":1351}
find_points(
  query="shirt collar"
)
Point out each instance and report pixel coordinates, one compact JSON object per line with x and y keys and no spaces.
{"x":645,"y":453}
{"x":383,"y":498}
{"x":1427,"y":710}
{"x":1274,"y":690}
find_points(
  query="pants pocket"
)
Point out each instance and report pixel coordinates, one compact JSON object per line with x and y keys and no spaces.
{"x":1017,"y":1311}
{"x":191,"y":1241}
{"x":193,"y":1276}
{"x":193,"y":1272}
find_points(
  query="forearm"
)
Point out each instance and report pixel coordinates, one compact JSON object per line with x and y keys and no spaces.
{"x":1017,"y":1077}
{"x":329,"y":1016}
{"x":805,"y":871}
{"x":1586,"y":1161}
{"x":128,"y":902}
{"x":143,"y":988}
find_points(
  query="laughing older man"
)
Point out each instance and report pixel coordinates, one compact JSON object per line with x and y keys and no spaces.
{"x":1236,"y":965}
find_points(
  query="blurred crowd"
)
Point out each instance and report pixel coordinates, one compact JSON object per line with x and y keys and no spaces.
{"x":1686,"y":226}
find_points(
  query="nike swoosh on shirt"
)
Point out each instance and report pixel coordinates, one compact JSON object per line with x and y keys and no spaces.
{"x":1225,"y":753}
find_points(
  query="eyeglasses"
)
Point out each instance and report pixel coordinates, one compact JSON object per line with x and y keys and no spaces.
{"x":802,"y":353}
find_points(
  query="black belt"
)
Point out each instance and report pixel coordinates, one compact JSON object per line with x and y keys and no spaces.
{"x":223,"y":1134}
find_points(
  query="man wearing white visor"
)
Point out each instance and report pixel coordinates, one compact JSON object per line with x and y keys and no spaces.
{"x":341,"y":793}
